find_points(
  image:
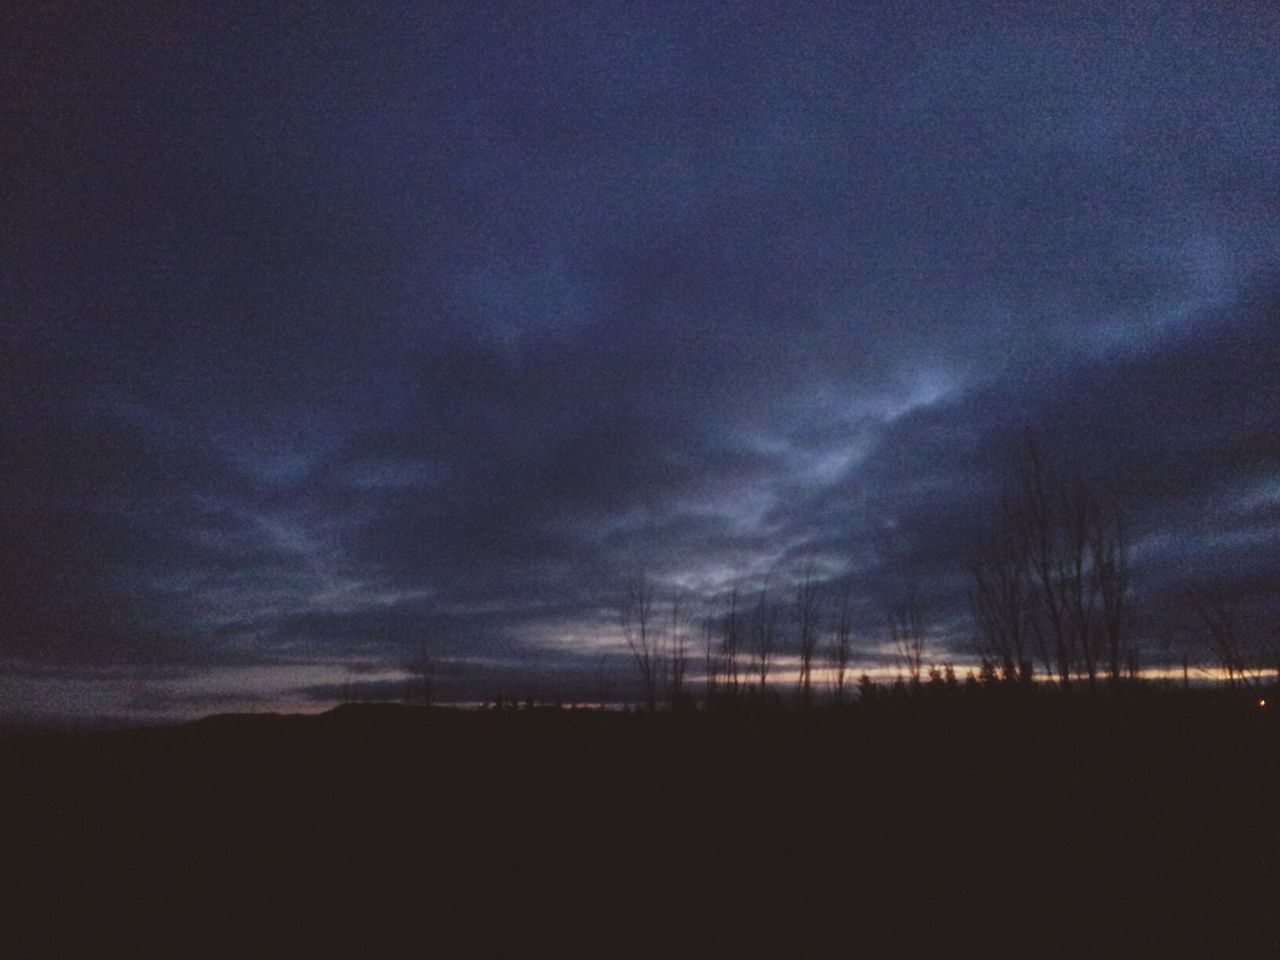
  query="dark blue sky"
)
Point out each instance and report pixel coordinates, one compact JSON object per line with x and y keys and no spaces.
{"x":326,"y":331}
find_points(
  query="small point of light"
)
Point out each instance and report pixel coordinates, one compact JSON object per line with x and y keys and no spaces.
{"x":1262,"y":701}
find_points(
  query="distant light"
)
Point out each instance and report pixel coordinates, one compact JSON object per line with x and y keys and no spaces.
{"x":1262,"y":701}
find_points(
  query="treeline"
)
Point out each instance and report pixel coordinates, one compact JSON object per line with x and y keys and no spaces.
{"x":1050,"y":600}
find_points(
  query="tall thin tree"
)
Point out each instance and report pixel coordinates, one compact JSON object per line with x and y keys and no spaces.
{"x":907,"y":632}
{"x":1000,"y":602}
{"x":764,"y":636}
{"x":808,"y":623}
{"x":678,"y":651}
{"x":840,"y":644}
{"x":642,"y":636}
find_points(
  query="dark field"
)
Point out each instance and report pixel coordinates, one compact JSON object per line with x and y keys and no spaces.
{"x":1021,"y":824}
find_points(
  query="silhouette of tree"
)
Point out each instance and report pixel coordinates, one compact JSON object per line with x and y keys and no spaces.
{"x":731,"y":647}
{"x":1109,"y":550}
{"x":906,"y":630}
{"x":1220,"y":622}
{"x":1079,"y":519}
{"x":678,"y":648}
{"x":1000,"y":601}
{"x":866,"y":688}
{"x":643,"y":639}
{"x":840,"y":645}
{"x":711,"y":660}
{"x":764,"y":635}
{"x":1072,"y":590}
{"x":1035,"y":524}
{"x":808,"y":617}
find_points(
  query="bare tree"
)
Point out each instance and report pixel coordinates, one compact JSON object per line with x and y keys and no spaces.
{"x":712,"y":660}
{"x":1000,"y":602}
{"x":1220,"y":620}
{"x":1109,"y":549}
{"x":808,"y":616}
{"x":678,"y":648}
{"x":1035,"y":524}
{"x":764,"y":636}
{"x":643,"y":639}
{"x":1077,"y":576}
{"x":731,"y":645}
{"x":906,"y":630}
{"x":840,"y":645}
{"x":1078,"y":583}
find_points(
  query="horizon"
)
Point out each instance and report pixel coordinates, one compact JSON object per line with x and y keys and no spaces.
{"x":403,"y":689}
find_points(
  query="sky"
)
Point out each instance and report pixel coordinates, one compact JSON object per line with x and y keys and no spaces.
{"x":335,"y":333}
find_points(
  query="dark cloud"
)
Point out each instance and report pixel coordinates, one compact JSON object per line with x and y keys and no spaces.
{"x":326,"y":334}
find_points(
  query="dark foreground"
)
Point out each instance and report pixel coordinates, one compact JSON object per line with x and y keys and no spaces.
{"x":1001,"y":825}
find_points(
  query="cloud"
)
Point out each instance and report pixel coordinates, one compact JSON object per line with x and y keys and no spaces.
{"x":323,"y":338}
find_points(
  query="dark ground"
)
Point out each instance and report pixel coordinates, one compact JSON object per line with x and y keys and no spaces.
{"x":1001,"y":824}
